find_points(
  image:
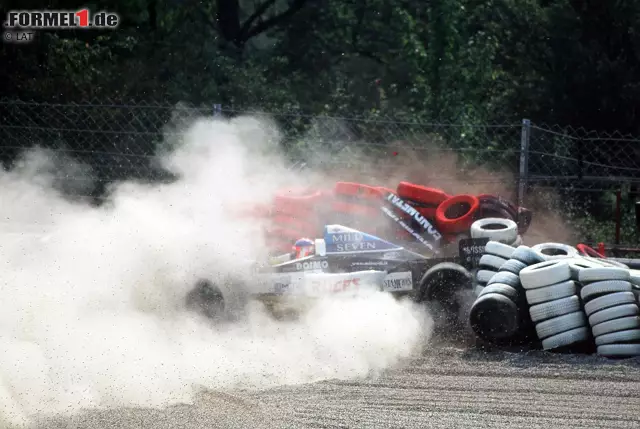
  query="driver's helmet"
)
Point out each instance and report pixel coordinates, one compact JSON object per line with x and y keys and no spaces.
{"x":303,"y":247}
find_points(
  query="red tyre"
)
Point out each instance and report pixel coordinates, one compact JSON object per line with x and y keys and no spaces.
{"x":357,"y":199}
{"x":422,"y":194}
{"x":425,"y":200}
{"x":298,"y":205}
{"x":456,"y":214}
{"x":588,"y":251}
{"x":358,"y":190}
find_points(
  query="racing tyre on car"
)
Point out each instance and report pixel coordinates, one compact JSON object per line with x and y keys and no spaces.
{"x":444,"y":286}
{"x":208,"y":299}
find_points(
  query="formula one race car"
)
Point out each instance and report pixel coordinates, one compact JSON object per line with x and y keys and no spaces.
{"x":347,"y":260}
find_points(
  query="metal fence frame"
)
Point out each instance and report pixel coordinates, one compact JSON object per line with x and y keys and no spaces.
{"x":532,"y":140}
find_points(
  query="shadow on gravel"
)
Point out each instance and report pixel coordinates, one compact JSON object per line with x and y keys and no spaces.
{"x":451,"y":339}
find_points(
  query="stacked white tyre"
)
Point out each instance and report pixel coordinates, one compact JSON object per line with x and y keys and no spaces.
{"x":496,"y":314}
{"x":554,"y":304}
{"x":635,"y":282}
{"x":552,"y":251}
{"x":500,"y":231}
{"x":497,"y":229}
{"x":496,"y":254}
{"x":612,"y":310}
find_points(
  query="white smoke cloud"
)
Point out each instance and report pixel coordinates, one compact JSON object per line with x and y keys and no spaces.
{"x":92,"y":297}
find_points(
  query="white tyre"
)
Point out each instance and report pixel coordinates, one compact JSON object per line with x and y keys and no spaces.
{"x":499,"y":249}
{"x":612,"y":263}
{"x":595,"y":289}
{"x":619,"y":350}
{"x":478,"y":290}
{"x":578,"y":264}
{"x":491,"y":262}
{"x":613,"y":313}
{"x":506,"y":278}
{"x":483,"y":276}
{"x":513,"y":266}
{"x":495,"y":229}
{"x":527,"y":255}
{"x":553,"y":251}
{"x":624,"y":324}
{"x":561,"y":324}
{"x":518,"y":242}
{"x":589,"y":275}
{"x":551,"y":309}
{"x":501,"y":289}
{"x":606,"y":262}
{"x":598,"y":261}
{"x":567,"y":338}
{"x":634,"y":277}
{"x":619,"y":337}
{"x":608,"y":301}
{"x":551,"y":293}
{"x":545,"y":274}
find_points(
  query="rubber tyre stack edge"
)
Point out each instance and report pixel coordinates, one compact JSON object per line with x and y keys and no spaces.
{"x":612,"y":309}
{"x":496,"y":316}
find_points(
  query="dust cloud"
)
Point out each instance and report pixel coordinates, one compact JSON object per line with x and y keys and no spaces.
{"x":427,"y":162}
{"x":92,"y":297}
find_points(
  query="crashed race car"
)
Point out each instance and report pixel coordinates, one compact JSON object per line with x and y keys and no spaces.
{"x":349,"y":260}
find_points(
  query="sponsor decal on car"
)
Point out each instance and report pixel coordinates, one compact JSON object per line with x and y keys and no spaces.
{"x":323,"y":283}
{"x":369,"y":263}
{"x":351,"y":241}
{"x":350,"y":247}
{"x":311,"y":265}
{"x":347,"y":237}
{"x":334,"y":286}
{"x":341,"y":239}
{"x":411,"y":211}
{"x":280,"y":287}
{"x":410,"y":230}
{"x":392,"y":255}
{"x":395,"y":282}
{"x":471,"y":250}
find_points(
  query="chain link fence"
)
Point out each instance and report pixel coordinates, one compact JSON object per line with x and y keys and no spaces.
{"x":119,"y":142}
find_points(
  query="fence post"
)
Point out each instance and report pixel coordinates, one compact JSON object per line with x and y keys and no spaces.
{"x":523,"y":176}
{"x":217,"y":110}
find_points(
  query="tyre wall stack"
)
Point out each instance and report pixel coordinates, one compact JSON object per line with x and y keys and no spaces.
{"x":612,"y":308}
{"x":567,"y":298}
{"x":500,"y":232}
{"x":498,"y":314}
{"x":554,"y":304}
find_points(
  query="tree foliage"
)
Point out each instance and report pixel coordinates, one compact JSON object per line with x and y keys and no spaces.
{"x":555,"y":61}
{"x":569,"y":62}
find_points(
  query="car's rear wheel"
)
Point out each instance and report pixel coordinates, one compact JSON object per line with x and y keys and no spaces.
{"x":207,"y":299}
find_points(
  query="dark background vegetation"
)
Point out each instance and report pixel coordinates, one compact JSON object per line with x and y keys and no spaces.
{"x":569,"y":62}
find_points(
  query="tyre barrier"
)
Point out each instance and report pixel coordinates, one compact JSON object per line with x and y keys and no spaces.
{"x":569,"y":299}
{"x":559,"y":322}
{"x":455,"y":215}
{"x":495,"y":229}
{"x":556,"y":250}
{"x":302,"y":212}
{"x":501,"y":265}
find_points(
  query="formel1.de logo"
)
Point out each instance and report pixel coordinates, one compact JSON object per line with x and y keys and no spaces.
{"x":20,"y":25}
